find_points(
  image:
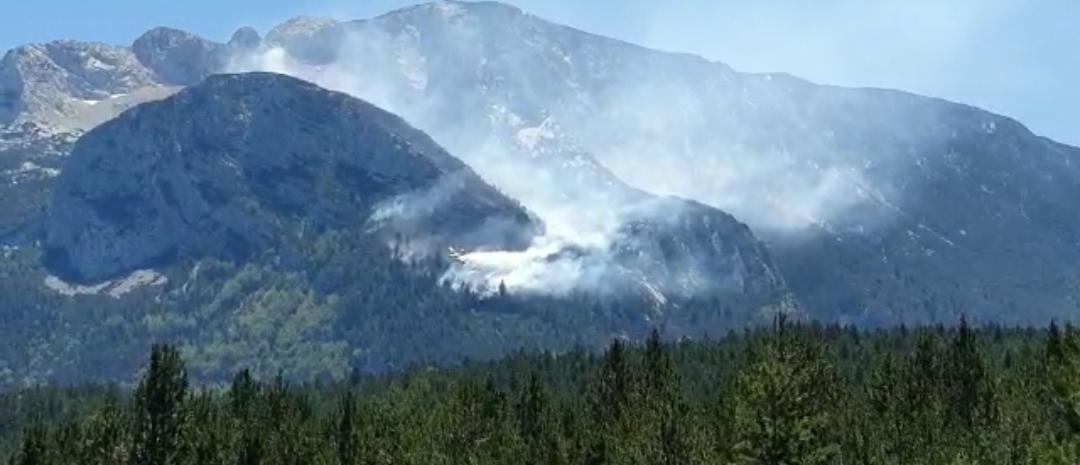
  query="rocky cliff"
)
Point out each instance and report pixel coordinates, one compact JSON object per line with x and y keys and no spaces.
{"x":241,"y":163}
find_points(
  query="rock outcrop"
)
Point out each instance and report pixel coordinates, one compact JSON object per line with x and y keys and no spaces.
{"x":178,"y":57}
{"x":241,"y":163}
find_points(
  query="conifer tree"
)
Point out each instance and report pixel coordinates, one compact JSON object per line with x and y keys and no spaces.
{"x":664,"y":404}
{"x":158,"y":408}
{"x":661,"y":380}
{"x":970,"y":394}
{"x":242,"y":394}
{"x":1055,"y":347}
{"x":203,"y":435}
{"x":346,"y":434}
{"x":613,"y":389}
{"x":923,"y":403}
{"x":540,"y":425}
{"x":610,"y":395}
{"x":250,"y":448}
{"x":784,"y":404}
{"x":34,"y":450}
{"x":104,"y":438}
{"x":1063,"y":380}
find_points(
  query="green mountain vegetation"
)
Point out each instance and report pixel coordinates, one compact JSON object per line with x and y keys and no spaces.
{"x":343,"y":303}
{"x":258,"y":220}
{"x":785,"y":394}
{"x":293,"y":229}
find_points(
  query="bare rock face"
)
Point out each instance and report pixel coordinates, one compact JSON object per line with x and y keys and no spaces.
{"x":55,"y":83}
{"x":245,"y":38}
{"x":314,"y":40}
{"x":178,"y":57}
{"x":695,"y":250}
{"x":241,"y":163}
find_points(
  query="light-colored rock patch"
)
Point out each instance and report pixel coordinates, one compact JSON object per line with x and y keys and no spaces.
{"x":115,"y":288}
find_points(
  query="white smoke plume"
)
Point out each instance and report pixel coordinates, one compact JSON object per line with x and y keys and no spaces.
{"x":572,"y":255}
{"x":645,"y":132}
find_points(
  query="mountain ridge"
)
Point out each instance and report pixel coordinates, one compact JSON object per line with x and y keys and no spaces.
{"x":707,"y":197}
{"x":803,"y":164}
{"x":236,"y":114}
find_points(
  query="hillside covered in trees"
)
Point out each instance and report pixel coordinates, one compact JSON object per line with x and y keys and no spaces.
{"x":788,"y":394}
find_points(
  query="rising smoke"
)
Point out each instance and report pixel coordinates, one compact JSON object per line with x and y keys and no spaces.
{"x":566,"y":123}
{"x":580,"y":220}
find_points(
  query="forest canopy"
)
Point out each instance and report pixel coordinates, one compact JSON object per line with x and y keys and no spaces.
{"x":787,"y":394}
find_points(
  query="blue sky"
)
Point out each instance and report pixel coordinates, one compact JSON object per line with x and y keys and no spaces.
{"x":1015,"y":57}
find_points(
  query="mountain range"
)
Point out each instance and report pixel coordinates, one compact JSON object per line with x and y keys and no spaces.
{"x":462,"y":179}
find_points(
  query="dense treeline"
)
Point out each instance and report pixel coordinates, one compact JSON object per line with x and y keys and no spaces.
{"x":788,"y":394}
{"x":318,"y":310}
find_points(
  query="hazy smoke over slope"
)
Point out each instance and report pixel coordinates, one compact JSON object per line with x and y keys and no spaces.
{"x":545,"y":267}
{"x":559,"y":120}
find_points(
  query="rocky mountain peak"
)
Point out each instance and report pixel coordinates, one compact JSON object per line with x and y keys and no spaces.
{"x":840,"y":182}
{"x":455,"y":10}
{"x":245,"y":38}
{"x":240,"y":163}
{"x":309,"y":38}
{"x":177,"y":57}
{"x":69,"y":85}
{"x":300,"y":26}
